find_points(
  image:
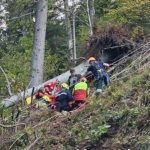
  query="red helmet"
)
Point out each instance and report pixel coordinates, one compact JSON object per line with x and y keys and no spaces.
{"x":49,"y":86}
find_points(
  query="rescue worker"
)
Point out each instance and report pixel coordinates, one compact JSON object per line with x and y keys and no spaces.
{"x":40,"y":93}
{"x":52,"y":88}
{"x":100,"y":74}
{"x":80,"y":92}
{"x":62,"y":99}
{"x":43,"y":98}
{"x":73,"y":78}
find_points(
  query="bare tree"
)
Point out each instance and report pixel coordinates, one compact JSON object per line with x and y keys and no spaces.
{"x":39,"y":43}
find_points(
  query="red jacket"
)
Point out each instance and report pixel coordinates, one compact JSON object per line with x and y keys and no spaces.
{"x":52,"y":87}
{"x":50,"y":90}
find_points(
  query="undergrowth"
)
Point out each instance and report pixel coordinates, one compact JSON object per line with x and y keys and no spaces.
{"x":119,"y":119}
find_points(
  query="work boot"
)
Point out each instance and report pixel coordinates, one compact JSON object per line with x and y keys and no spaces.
{"x":98,"y":93}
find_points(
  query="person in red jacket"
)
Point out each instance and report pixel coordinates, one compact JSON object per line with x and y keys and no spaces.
{"x":80,"y":92}
{"x":48,"y":92}
{"x":52,"y":87}
{"x":43,"y":99}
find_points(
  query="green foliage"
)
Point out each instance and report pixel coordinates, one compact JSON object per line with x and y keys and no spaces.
{"x":21,"y":139}
{"x":129,"y":12}
{"x":137,"y":31}
{"x":99,"y":131}
{"x":82,"y":32}
{"x":17,"y":69}
{"x":134,"y":112}
{"x":125,"y":113}
{"x":17,"y":43}
{"x":51,"y":140}
{"x":6,"y":114}
{"x":54,"y":65}
{"x":144,"y":141}
{"x":102,"y":7}
{"x":121,"y":108}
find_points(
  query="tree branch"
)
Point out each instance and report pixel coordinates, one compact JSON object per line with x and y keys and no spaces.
{"x":45,"y":121}
{"x":32,"y":144}
{"x":16,"y":141}
{"x":11,"y":126}
{"x":113,"y":47}
{"x":8,"y":83}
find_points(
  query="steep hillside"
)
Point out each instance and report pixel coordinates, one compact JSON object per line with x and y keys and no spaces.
{"x":118,"y":120}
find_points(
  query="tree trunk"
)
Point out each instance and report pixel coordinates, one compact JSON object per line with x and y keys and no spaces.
{"x":80,"y":69}
{"x":74,"y":37}
{"x":92,"y":11}
{"x":39,"y":43}
{"x":89,"y":18}
{"x":68,"y":29}
{"x":74,"y":31}
{"x":8,"y":83}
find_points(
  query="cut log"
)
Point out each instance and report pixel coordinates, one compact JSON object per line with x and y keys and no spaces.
{"x":80,"y":69}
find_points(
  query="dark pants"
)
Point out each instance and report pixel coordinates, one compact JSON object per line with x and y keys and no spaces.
{"x":101,"y":83}
{"x":106,"y":79}
{"x":60,"y":107}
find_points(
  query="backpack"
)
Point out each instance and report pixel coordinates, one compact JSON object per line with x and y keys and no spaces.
{"x":99,"y":69}
{"x":99,"y":65}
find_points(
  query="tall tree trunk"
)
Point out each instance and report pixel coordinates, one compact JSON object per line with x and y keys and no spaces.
{"x":92,"y":11}
{"x":74,"y":36}
{"x":89,"y":17}
{"x":68,"y":28}
{"x":39,"y":43}
{"x":74,"y":31}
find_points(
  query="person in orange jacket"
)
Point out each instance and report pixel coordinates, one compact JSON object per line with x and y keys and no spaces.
{"x":80,"y":92}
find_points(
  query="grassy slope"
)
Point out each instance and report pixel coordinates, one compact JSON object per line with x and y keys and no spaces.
{"x":119,"y":119}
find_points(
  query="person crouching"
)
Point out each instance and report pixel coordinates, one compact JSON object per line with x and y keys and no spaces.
{"x":63,"y":98}
{"x":80,"y":92}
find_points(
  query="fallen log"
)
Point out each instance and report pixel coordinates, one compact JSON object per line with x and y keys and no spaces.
{"x":80,"y":69}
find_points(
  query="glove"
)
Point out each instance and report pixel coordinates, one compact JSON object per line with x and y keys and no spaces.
{"x":53,"y":106}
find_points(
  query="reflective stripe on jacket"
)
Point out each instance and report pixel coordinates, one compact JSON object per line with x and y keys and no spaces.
{"x":64,"y":97}
{"x":80,"y":91}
